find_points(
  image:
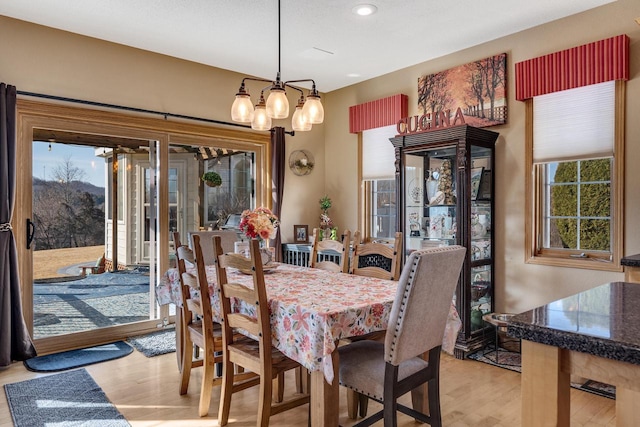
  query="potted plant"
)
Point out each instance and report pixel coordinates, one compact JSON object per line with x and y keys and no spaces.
{"x":212,"y":179}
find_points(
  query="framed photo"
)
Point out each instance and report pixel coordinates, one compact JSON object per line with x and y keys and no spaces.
{"x":484,"y":191}
{"x":301,"y":233}
{"x":476,"y":177}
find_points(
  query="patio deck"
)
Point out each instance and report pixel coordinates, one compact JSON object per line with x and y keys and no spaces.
{"x":95,"y":301}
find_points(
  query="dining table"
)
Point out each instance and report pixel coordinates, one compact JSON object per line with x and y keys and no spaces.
{"x":311,"y":310}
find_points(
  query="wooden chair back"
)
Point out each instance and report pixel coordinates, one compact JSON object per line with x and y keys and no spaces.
{"x":317,"y":260}
{"x":256,"y":298}
{"x":198,"y":330}
{"x":373,"y":249}
{"x":255,"y":353}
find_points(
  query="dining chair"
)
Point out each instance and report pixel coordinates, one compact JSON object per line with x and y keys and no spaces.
{"x":199,"y":331}
{"x":374,"y":259}
{"x":321,"y":261}
{"x":410,"y":354}
{"x":255,"y":352}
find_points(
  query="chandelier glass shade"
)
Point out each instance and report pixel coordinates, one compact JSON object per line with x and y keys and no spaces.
{"x":308,"y":111}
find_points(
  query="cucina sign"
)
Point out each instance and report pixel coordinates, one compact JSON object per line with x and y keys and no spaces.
{"x":429,"y":121}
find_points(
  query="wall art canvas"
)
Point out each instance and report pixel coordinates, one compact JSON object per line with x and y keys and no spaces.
{"x":477,"y":88}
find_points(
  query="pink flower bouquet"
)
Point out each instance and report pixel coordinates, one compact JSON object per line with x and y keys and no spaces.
{"x":259,"y":223}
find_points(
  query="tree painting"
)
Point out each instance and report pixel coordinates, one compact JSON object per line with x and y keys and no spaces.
{"x":477,"y":88}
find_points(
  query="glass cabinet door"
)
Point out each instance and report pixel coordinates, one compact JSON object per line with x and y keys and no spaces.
{"x":481,"y":250}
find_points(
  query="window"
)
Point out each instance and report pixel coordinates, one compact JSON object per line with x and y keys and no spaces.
{"x":379,"y":184}
{"x":575,"y":193}
{"x":383,"y":208}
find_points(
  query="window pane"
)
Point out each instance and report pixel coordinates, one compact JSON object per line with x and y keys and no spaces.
{"x":595,"y":170}
{"x":383,"y":215}
{"x":563,"y":234}
{"x":595,"y":200}
{"x":594,"y":234}
{"x":564,"y":200}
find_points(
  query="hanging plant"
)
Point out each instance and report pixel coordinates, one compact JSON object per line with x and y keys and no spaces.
{"x":212,"y":179}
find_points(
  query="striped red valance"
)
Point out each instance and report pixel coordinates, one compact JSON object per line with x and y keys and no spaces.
{"x":379,"y":113}
{"x":592,"y":63}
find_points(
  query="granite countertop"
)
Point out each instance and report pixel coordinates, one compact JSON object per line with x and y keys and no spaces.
{"x":631,"y":261}
{"x":603,"y":321}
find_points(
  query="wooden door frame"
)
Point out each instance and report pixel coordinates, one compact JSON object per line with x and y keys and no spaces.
{"x":38,"y":115}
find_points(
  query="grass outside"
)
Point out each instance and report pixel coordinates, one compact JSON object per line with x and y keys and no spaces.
{"x":46,"y":263}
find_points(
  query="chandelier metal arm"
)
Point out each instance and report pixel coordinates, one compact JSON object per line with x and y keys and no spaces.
{"x":309,"y":110}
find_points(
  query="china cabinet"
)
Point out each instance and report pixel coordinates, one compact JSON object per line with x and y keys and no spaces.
{"x":444,"y":192}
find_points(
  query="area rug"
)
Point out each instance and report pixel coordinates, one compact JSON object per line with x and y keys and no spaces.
{"x":156,"y":343}
{"x":511,"y":360}
{"x":77,"y":358}
{"x":62,"y":400}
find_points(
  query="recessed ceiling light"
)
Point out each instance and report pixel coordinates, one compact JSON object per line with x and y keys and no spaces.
{"x":353,"y":75}
{"x":364,"y":9}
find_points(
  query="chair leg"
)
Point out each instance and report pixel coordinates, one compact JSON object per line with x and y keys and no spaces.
{"x":185,"y":367}
{"x":300,"y":388}
{"x":278,"y":388}
{"x":363,"y":403}
{"x":264,"y":404}
{"x":352,"y":403}
{"x":390,"y":403}
{"x":179,"y":338}
{"x":434,"y":402}
{"x":226,"y":392}
{"x":209,"y":370}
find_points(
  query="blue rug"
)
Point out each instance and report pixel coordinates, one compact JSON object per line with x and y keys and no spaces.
{"x":77,"y":358}
{"x":66,"y":399}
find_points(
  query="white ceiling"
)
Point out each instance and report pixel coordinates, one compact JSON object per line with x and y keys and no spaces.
{"x":321,"y":39}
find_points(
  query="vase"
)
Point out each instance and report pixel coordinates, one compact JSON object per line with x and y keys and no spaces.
{"x":326,"y":233}
{"x":431,"y":184}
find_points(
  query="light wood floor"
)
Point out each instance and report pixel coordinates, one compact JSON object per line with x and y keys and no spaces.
{"x":145,"y":390}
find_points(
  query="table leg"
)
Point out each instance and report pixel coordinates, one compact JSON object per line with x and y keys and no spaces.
{"x":325,"y":397}
{"x":545,"y":388}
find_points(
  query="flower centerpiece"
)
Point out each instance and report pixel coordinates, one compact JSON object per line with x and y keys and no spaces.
{"x":259,"y":223}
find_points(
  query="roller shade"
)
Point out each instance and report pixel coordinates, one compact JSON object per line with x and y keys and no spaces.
{"x":378,"y":154}
{"x":574,"y":124}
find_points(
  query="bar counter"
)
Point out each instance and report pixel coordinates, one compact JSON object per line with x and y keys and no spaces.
{"x":594,"y":334}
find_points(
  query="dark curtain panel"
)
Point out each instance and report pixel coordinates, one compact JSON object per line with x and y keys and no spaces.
{"x":277,"y":184}
{"x":15,"y":342}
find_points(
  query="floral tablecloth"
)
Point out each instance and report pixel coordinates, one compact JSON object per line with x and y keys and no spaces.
{"x":312,"y":309}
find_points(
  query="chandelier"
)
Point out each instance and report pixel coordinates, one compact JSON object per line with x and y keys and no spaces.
{"x":308,"y":111}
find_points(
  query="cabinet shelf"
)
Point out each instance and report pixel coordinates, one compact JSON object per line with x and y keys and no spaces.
{"x":457,"y":153}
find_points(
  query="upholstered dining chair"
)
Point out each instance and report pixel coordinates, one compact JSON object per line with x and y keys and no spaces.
{"x":199,"y":330}
{"x":386,"y":371}
{"x":254,"y":353}
{"x":372,"y":259}
{"x":368,"y":257}
{"x":317,"y":260}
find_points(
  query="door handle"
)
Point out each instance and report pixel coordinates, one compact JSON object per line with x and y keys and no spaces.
{"x":31,"y":230}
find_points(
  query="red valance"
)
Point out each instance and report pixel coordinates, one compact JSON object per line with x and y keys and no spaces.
{"x":579,"y":66}
{"x":379,"y":113}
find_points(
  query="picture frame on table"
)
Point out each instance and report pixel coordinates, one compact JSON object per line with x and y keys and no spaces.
{"x":476,"y":177}
{"x":301,"y":233}
{"x":484,"y":190}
